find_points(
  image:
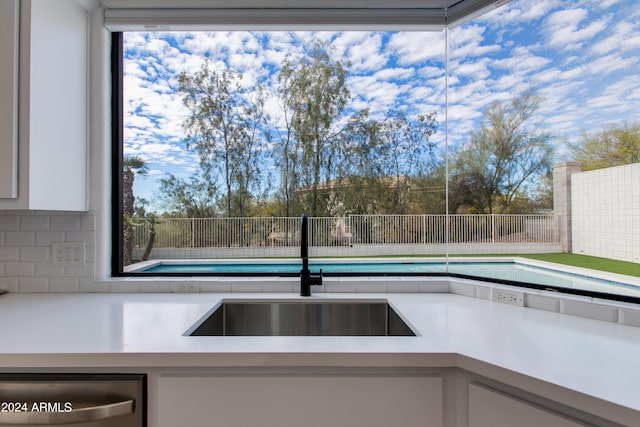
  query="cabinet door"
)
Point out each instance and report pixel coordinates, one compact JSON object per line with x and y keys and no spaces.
{"x":9,"y":12}
{"x":489,"y":408}
{"x":299,"y":401}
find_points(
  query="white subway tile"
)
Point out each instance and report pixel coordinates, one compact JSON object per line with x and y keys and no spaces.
{"x":34,"y":222}
{"x":459,"y":288}
{"x":277,"y":287}
{"x":48,"y":238}
{"x":81,"y":271}
{"x":64,"y":284}
{"x":9,"y":222}
{"x":87,"y":284}
{"x":87,"y":222}
{"x":19,"y":269}
{"x":378,"y":286}
{"x":19,"y":238}
{"x":542,"y":303}
{"x":33,"y":284}
{"x":65,"y":222}
{"x":9,"y":284}
{"x":434,"y":285}
{"x":79,"y":236}
{"x":124,"y":287}
{"x":155,"y":286}
{"x":47,"y":269}
{"x":589,"y":309}
{"x":35,"y":253}
{"x":9,"y":254}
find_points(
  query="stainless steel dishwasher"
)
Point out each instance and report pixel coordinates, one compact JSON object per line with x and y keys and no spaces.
{"x":87,"y":400}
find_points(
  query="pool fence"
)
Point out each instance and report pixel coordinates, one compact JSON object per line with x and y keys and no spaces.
{"x":352,"y":235}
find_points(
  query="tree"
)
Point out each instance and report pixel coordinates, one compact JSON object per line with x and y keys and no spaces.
{"x":358,"y":187}
{"x":316,"y":94}
{"x":132,"y":166}
{"x":503,"y":158}
{"x":246,"y":169}
{"x":612,"y":146}
{"x":286,"y":150}
{"x":403,"y":144}
{"x":223,"y":125}
{"x":189,"y":199}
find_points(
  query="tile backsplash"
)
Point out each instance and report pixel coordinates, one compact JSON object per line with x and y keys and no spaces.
{"x":26,"y":251}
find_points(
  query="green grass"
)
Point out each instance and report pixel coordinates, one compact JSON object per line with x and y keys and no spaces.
{"x":592,"y":262}
{"x":584,"y":261}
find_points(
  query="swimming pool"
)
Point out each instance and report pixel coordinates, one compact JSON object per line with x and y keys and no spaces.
{"x":499,"y":270}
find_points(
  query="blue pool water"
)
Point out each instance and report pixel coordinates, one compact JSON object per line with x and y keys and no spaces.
{"x":495,"y":270}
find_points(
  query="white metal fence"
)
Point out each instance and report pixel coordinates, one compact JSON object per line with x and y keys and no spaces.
{"x":277,"y":232}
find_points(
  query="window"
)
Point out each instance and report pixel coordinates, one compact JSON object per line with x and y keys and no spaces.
{"x":394,"y":141}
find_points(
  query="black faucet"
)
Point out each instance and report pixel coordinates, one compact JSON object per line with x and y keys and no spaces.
{"x":307,"y":278}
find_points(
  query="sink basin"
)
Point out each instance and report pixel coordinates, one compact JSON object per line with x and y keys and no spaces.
{"x":301,"y":318}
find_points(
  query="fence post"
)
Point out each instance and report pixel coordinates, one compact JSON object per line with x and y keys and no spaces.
{"x":493,"y":228}
{"x":193,"y":232}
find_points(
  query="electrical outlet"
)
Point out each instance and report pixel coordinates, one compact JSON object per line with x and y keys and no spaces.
{"x":69,"y":254}
{"x":509,"y":297}
{"x":185,"y":287}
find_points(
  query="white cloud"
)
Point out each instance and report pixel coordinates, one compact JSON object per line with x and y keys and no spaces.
{"x":394,"y":74}
{"x":567,"y":29}
{"x":521,"y":60}
{"x":467,"y":42}
{"x":412,"y":48}
{"x":365,"y":54}
{"x":624,"y":37}
{"x":518,"y":12}
{"x":476,"y":69}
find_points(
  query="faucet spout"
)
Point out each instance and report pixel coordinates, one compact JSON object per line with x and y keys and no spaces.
{"x":307,"y":278}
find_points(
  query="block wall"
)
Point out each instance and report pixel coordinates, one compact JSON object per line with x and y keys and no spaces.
{"x":605,"y":207}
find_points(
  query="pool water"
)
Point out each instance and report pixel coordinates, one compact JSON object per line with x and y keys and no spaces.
{"x":512,"y":271}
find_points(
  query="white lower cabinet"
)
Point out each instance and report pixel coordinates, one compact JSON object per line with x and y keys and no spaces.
{"x":300,"y":401}
{"x":490,"y":408}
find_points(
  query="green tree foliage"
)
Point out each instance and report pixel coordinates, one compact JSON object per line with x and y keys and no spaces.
{"x":503,"y":160}
{"x":314,"y":93}
{"x":357,"y":187}
{"x":224,"y":126}
{"x":612,"y":146}
{"x":403,"y":144}
{"x":377,"y":161}
{"x":427,"y":192}
{"x":192,"y":199}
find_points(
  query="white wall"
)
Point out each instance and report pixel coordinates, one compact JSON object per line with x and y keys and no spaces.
{"x":606,"y":212}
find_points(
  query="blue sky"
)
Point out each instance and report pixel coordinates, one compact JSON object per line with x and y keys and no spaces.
{"x":581,"y":56}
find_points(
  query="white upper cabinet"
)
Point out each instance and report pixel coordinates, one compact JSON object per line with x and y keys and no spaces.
{"x":9,"y":14}
{"x":52,"y":107}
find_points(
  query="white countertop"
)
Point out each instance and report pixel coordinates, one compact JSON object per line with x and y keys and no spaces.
{"x":599,"y":359}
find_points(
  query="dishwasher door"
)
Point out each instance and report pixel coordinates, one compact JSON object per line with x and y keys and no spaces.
{"x":87,"y":400}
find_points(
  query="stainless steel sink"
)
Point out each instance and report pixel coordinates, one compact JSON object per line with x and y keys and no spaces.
{"x":301,"y":318}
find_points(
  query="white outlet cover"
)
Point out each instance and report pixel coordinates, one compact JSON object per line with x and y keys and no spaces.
{"x":69,"y":254}
{"x":508,"y":296}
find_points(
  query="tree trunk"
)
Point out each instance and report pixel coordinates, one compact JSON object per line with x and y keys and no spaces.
{"x":127,"y":244}
{"x":150,"y":242}
{"x":128,"y":201}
